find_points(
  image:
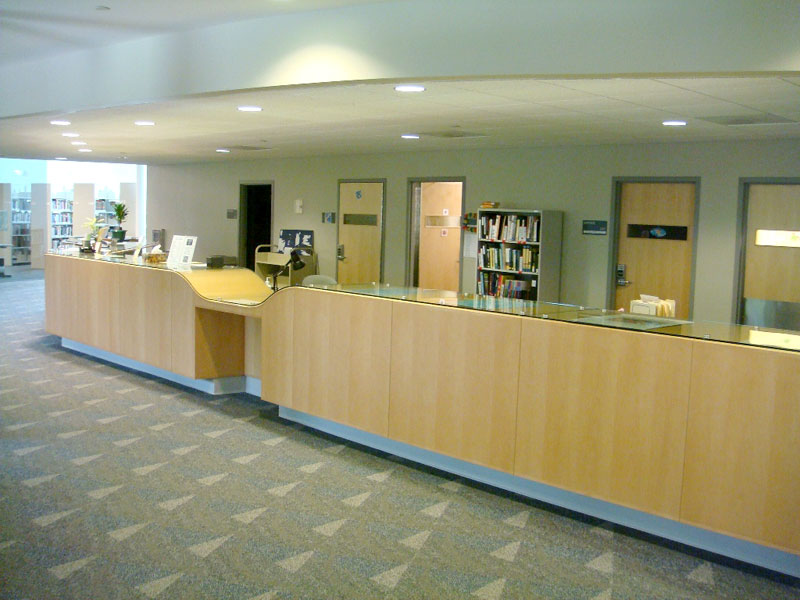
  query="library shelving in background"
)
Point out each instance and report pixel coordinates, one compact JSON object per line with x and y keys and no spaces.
{"x":21,"y":228}
{"x":519,"y":253}
{"x":104,"y":211}
{"x":60,"y":221}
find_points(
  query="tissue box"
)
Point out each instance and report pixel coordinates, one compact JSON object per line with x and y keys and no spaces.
{"x":640,"y":307}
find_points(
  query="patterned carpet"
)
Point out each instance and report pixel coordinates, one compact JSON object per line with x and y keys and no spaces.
{"x":118,"y":485}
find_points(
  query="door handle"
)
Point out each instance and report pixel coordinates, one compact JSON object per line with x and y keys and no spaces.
{"x":340,"y":252}
{"x":623,"y":282}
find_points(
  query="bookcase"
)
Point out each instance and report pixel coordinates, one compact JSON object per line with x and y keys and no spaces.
{"x":60,"y":221}
{"x":6,"y":230}
{"x":21,"y":228}
{"x":519,"y":253}
{"x":51,"y":221}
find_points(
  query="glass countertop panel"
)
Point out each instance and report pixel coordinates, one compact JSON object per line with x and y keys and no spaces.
{"x":598,"y":317}
{"x":242,"y":287}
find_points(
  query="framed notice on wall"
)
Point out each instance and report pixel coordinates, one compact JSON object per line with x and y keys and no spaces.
{"x":295,"y":238}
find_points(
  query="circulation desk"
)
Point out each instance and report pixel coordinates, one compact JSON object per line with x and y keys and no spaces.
{"x":687,"y":430}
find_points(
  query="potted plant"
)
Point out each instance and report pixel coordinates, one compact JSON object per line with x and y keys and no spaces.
{"x":120,"y":213}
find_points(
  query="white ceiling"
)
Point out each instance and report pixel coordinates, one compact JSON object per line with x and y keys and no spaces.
{"x":36,"y":28}
{"x":369,"y":118}
{"x":362,"y":118}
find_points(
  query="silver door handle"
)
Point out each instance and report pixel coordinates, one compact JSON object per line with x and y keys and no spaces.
{"x":623,"y":282}
{"x":340,"y":252}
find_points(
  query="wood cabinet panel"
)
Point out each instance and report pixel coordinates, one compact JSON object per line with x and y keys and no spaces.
{"x":219,"y":344}
{"x":277,"y":336}
{"x":182,"y":354}
{"x":145,"y":315}
{"x":340,"y":359}
{"x":742,"y":474}
{"x":61,"y":295}
{"x":252,"y":347}
{"x":454,"y":382}
{"x":603,"y":413}
{"x":81,"y":299}
{"x":98,"y":296}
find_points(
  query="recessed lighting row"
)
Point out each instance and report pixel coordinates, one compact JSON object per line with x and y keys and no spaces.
{"x":72,"y":134}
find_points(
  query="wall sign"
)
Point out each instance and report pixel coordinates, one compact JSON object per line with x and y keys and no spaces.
{"x":658,"y":232}
{"x":359,"y":219}
{"x":295,"y":238}
{"x":594,"y":227}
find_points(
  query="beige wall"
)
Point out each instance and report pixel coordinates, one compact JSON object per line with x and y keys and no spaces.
{"x":192,"y":199}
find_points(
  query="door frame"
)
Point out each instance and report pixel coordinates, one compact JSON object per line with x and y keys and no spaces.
{"x":339,"y":183}
{"x":613,"y":247}
{"x":741,"y":235}
{"x":241,"y":243}
{"x":410,"y":222}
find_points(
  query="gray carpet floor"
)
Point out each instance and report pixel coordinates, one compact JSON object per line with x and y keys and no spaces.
{"x":118,"y":485}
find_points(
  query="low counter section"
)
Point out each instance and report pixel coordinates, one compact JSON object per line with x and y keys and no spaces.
{"x":687,"y":430}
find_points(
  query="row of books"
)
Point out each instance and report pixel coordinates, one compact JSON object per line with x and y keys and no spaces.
{"x":503,"y":286}
{"x":509,"y":259}
{"x":61,"y":204}
{"x":61,"y":218}
{"x":62,"y":230}
{"x":510,"y":228}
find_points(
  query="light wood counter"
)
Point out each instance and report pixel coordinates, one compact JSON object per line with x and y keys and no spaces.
{"x":603,"y":413}
{"x":698,"y":432}
{"x":154,"y":316}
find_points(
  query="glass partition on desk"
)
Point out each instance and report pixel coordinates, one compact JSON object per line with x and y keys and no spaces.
{"x":597,"y":317}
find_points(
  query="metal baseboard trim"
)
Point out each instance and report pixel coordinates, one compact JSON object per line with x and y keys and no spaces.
{"x":215,"y":387}
{"x":717,"y":543}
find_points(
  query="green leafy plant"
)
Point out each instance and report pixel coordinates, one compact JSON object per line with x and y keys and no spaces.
{"x":120,"y":213}
{"x":93,"y":225}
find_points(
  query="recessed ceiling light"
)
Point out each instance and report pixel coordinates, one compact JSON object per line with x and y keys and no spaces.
{"x":223,"y":150}
{"x":674,"y":123}
{"x":60,"y":122}
{"x":409,"y":88}
{"x":68,"y":134}
{"x":61,"y":158}
{"x":144,"y":123}
{"x":78,"y":143}
{"x":410,"y":136}
{"x":84,"y":149}
{"x":249,"y":108}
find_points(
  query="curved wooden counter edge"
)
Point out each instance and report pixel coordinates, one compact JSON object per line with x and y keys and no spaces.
{"x":158,"y":317}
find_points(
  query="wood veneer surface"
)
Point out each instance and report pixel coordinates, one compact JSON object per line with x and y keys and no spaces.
{"x":742,"y":474}
{"x":340,"y":358}
{"x":454,"y":382}
{"x":603,"y":412}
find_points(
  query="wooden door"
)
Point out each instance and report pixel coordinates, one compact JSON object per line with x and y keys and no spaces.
{"x":772,"y":251}
{"x":359,"y":250}
{"x":772,"y":263}
{"x":655,"y":243}
{"x":440,"y":236}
